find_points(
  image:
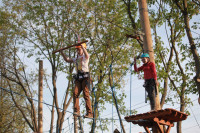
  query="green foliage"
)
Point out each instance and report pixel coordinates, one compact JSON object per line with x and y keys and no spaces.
{"x":44,"y":26}
{"x":11,"y":119}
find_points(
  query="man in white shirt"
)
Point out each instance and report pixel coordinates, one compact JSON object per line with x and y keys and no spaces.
{"x":81,"y":79}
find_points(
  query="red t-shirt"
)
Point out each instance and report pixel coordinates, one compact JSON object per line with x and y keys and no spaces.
{"x":149,"y":70}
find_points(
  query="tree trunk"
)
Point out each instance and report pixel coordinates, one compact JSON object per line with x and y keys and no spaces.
{"x":194,"y":51}
{"x":52,"y":117}
{"x":182,"y":109}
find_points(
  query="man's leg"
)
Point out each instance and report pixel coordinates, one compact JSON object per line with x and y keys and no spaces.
{"x":86,"y":94}
{"x":77,"y":91}
{"x":152,"y":97}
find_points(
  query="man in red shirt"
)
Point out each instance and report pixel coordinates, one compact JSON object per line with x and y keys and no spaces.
{"x":150,"y":77}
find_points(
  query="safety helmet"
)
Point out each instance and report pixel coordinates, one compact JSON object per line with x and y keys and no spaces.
{"x":144,"y":55}
{"x":84,"y":45}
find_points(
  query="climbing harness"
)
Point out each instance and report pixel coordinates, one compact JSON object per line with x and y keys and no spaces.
{"x":150,"y":83}
{"x":81,"y":75}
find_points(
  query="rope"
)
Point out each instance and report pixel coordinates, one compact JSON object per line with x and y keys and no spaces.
{"x":194,"y":116}
{"x":113,"y":94}
{"x":130,"y":93}
{"x":119,"y":79}
{"x":95,"y":106}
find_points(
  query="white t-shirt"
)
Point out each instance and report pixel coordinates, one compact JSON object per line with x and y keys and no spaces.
{"x":81,"y":63}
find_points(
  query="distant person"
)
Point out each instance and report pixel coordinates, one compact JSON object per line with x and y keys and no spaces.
{"x":81,"y":79}
{"x":150,"y":77}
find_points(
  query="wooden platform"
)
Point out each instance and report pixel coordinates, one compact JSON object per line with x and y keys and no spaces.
{"x":160,"y":117}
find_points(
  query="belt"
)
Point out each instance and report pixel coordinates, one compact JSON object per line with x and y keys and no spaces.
{"x":83,"y":76}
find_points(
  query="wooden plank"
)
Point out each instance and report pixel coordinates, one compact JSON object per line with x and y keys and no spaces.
{"x":157,"y":118}
{"x":151,"y":115}
{"x":170,"y":114}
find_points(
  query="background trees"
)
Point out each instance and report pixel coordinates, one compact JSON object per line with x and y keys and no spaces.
{"x":34,"y":29}
{"x":11,"y":118}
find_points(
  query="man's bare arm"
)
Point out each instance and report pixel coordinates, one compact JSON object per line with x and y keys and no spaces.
{"x":67,"y":59}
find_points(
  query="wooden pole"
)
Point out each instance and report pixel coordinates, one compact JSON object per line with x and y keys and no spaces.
{"x":40,"y":98}
{"x":144,"y":19}
{"x":148,"y":44}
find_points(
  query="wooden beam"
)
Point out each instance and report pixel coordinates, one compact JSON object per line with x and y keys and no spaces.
{"x":40,"y":98}
{"x":159,"y":127}
{"x":168,"y":129}
{"x":77,"y":44}
{"x":163,"y":122}
{"x":146,"y":129}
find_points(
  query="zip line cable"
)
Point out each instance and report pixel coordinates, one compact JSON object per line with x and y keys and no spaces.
{"x":62,"y":109}
{"x":52,"y":105}
{"x":194,"y":117}
{"x":10,"y":91}
{"x":31,"y":98}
